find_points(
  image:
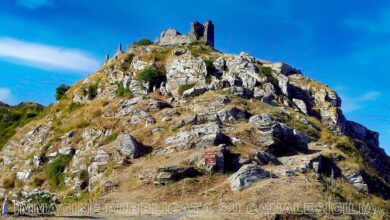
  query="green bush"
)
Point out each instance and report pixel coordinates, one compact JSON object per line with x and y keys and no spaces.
{"x":152,"y":76}
{"x":61,"y":90}
{"x":266,"y":70}
{"x":91,"y":91}
{"x":55,"y":170}
{"x":185,"y":87}
{"x":143,"y":42}
{"x":123,"y":92}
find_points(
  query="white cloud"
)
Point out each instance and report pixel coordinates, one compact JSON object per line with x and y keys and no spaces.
{"x":33,"y":4}
{"x":5,"y":95}
{"x":350,"y":104}
{"x":46,"y":56}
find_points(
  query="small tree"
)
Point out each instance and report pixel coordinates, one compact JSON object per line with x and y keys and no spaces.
{"x":61,"y":90}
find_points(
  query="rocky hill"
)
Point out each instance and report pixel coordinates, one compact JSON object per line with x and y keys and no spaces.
{"x":137,"y":131}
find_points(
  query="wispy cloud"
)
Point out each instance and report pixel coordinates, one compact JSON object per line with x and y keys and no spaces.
{"x":351,"y":104}
{"x":33,"y":4}
{"x":46,"y":56}
{"x":380,"y":25}
{"x":5,"y":95}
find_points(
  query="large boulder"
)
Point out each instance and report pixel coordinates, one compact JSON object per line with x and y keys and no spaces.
{"x":128,"y":146}
{"x":357,"y":181}
{"x":246,"y":176}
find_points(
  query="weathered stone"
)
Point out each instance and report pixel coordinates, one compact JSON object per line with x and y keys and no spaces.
{"x":67,"y":151}
{"x":232,"y":114}
{"x":198,"y":135}
{"x":264,"y":158}
{"x":195,"y":91}
{"x":24,"y":175}
{"x":174,"y":173}
{"x":246,"y":176}
{"x":128,"y":146}
{"x":300,"y":105}
{"x":357,"y":181}
{"x":277,"y":136}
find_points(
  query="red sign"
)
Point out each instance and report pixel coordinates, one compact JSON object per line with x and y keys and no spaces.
{"x":209,"y":158}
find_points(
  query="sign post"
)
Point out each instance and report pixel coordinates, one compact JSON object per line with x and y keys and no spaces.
{"x":209,"y":160}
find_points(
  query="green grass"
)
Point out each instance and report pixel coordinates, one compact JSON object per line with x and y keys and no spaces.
{"x":185,"y":87}
{"x":198,"y":49}
{"x":12,"y":117}
{"x":123,"y":92}
{"x":55,"y":171}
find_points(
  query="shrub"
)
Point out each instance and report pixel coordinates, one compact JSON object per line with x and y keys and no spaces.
{"x":61,"y":90}
{"x":185,"y":87}
{"x":123,"y":92}
{"x":143,"y":42}
{"x":92,"y":91}
{"x":55,"y":170}
{"x":152,"y":76}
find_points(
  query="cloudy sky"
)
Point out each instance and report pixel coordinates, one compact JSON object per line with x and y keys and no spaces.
{"x":344,"y":44}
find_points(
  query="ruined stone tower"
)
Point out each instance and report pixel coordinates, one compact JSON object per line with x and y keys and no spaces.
{"x":198,"y":32}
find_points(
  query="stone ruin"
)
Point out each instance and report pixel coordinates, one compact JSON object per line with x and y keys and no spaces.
{"x":199,"y":32}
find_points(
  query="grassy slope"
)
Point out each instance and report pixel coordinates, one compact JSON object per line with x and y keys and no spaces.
{"x":12,"y":117}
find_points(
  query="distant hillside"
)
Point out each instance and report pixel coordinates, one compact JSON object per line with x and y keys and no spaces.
{"x":12,"y":117}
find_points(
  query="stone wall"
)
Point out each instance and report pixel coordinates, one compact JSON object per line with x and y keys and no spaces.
{"x":198,"y":32}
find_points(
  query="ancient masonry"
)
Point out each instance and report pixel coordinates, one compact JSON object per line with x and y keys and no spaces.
{"x":199,"y":32}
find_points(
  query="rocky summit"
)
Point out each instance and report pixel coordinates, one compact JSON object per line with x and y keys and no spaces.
{"x":137,"y":130}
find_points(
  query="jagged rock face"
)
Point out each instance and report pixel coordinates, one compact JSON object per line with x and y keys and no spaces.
{"x":278,"y":137}
{"x":184,"y":70}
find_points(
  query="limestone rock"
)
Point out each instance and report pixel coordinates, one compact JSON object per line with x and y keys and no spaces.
{"x":246,"y":176}
{"x":198,"y":135}
{"x":128,"y":146}
{"x":264,"y":158}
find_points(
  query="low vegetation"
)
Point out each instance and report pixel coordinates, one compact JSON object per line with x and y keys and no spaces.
{"x":143,"y":42}
{"x":123,"y":92}
{"x":55,"y":171}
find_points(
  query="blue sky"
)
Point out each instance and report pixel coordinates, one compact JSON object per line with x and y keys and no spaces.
{"x":344,"y":44}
